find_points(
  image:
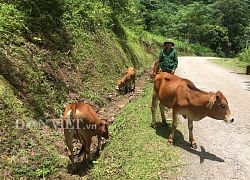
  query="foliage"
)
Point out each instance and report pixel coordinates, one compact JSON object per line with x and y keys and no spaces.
{"x":223,"y":22}
{"x":235,"y":17}
{"x":245,"y":56}
{"x":12,"y":24}
{"x":218,"y":39}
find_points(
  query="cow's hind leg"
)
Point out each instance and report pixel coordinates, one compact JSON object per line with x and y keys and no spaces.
{"x":154,"y":108}
{"x":68,"y":133}
{"x":130,"y":88}
{"x":191,"y":137}
{"x":87,"y":140}
{"x":174,"y":126}
{"x":163,"y":118}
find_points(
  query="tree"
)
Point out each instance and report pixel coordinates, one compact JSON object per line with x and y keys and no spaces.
{"x":234,"y":15}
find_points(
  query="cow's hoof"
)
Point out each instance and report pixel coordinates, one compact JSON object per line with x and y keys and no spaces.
{"x":89,"y":163}
{"x":153,"y":125}
{"x":98,"y":152}
{"x":194,"y":146}
{"x":74,"y":169}
{"x":170,"y":143}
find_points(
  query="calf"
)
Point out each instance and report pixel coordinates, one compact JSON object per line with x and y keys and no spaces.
{"x":80,"y":121}
{"x":184,"y":98}
{"x":127,"y":80}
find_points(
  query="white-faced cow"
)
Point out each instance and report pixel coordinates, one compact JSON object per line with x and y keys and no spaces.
{"x":80,"y":121}
{"x":127,"y":80}
{"x":184,"y":98}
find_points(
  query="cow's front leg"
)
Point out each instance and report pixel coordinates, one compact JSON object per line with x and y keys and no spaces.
{"x":154,"y":108}
{"x":134,"y":85}
{"x":99,"y":136}
{"x":174,"y":126}
{"x":191,"y":137}
{"x":163,"y":118}
{"x":130,"y":89}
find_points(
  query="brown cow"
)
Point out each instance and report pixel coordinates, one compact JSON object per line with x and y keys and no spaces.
{"x":184,"y":98}
{"x":80,"y":121}
{"x":155,"y":68}
{"x":127,"y":80}
{"x":248,"y":70}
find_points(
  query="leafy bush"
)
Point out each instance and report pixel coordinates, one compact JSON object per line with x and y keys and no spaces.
{"x":245,"y":56}
{"x":12,"y":23}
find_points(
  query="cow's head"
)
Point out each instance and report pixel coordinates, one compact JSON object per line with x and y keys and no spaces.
{"x":218,"y":107}
{"x":104,"y":128}
{"x":120,"y":84}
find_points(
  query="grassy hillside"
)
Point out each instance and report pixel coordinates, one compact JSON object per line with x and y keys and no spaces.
{"x":48,"y":60}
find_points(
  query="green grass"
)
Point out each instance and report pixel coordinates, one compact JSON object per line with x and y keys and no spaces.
{"x":231,"y":63}
{"x":137,"y":151}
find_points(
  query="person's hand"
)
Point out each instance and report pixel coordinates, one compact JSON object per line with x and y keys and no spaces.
{"x":172,"y":72}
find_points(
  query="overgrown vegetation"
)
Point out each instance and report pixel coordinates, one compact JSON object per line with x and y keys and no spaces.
{"x":221,"y":25}
{"x":244,"y":56}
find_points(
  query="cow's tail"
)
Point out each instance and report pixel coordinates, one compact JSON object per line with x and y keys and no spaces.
{"x":73,"y":118}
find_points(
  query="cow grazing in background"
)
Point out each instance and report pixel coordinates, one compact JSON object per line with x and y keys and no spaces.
{"x":184,"y":98}
{"x":248,"y":70}
{"x":155,"y":68}
{"x":80,"y":121}
{"x":127,"y":80}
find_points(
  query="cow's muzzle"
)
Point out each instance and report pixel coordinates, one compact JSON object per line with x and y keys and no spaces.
{"x":229,"y":121}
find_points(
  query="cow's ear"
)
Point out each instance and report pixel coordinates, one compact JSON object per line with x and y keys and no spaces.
{"x":212,"y":99}
{"x":218,"y":95}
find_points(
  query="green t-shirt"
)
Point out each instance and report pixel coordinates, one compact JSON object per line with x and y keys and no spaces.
{"x":168,"y":60}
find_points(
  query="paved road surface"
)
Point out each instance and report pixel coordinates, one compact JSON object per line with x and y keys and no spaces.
{"x":223,"y":151}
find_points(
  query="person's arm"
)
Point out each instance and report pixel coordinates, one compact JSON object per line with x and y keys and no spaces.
{"x":175,"y":60}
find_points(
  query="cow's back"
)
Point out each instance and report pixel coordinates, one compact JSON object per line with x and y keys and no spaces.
{"x":165,"y":86}
{"x":86,"y":113}
{"x":131,"y":71}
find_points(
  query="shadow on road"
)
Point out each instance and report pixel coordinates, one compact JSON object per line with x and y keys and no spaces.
{"x":179,"y":141}
{"x":248,"y":85}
